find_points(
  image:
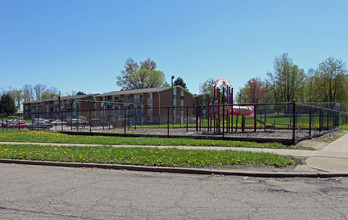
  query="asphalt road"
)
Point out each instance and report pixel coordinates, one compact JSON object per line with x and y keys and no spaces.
{"x":39,"y":192}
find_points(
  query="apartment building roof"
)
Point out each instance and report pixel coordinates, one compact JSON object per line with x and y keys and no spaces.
{"x":62,"y":98}
{"x":138,"y":91}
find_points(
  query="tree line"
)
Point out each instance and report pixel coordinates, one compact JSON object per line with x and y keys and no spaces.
{"x":288,"y":82}
{"x":13,"y":98}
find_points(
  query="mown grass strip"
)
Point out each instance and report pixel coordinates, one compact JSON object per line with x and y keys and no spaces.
{"x":171,"y":157}
{"x":53,"y":137}
{"x":344,"y":127}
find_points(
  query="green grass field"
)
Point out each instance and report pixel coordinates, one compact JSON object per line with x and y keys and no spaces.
{"x":9,"y":135}
{"x":171,"y":157}
{"x":344,"y":127}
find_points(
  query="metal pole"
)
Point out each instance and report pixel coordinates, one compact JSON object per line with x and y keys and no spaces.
{"x":90,"y":120}
{"x":223,"y":111}
{"x":254,"y":117}
{"x":197,"y":113}
{"x":214,"y":111}
{"x":187,"y":119}
{"x":327,"y":120}
{"x":109,"y":116}
{"x":294,"y":122}
{"x":172,"y":101}
{"x":124,"y":118}
{"x":103,"y":116}
{"x":168,"y":121}
{"x":243,"y":123}
{"x":232,"y":112}
{"x":200,"y":117}
{"x":208,"y":115}
{"x":310,"y":121}
{"x":78,"y":115}
{"x":159,"y":116}
{"x":71,"y":113}
{"x":320,"y":120}
{"x":219,"y":123}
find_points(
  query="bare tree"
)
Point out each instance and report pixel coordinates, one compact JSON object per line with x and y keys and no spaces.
{"x":28,"y":93}
{"x":39,"y":90}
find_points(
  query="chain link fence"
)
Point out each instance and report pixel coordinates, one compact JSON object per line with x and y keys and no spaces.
{"x":281,"y":122}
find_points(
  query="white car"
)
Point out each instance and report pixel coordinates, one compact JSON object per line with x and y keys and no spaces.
{"x":58,"y":122}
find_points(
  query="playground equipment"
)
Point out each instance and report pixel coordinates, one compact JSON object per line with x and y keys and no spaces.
{"x":221,"y":116}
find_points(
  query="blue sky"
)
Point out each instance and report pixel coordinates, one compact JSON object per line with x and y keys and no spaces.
{"x":81,"y":45}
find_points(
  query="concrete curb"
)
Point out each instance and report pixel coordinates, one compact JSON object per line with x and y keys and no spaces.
{"x":178,"y":170}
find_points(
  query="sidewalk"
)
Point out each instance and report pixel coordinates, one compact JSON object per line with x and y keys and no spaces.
{"x":331,"y":159}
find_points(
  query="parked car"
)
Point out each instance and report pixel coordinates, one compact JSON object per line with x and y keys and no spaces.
{"x":40,"y":125}
{"x":58,"y":122}
{"x":21,"y":124}
{"x":80,"y":122}
{"x":3,"y":125}
{"x":41,"y":120}
{"x":96,"y":122}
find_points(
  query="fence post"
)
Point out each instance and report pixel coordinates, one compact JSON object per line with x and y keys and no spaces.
{"x":294,"y":122}
{"x":208,"y":115}
{"x":254,"y":117}
{"x":90,"y":121}
{"x":320,"y":120}
{"x":223,"y":120}
{"x":168,"y":121}
{"x":310,"y":121}
{"x":124,"y":119}
{"x":159,"y":116}
{"x":197,"y":115}
{"x":187,"y":118}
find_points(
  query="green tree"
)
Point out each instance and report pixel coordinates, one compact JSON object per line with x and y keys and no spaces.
{"x":50,"y":93}
{"x":242,"y":96}
{"x":133,"y":77}
{"x":256,"y":91}
{"x":330,"y":82}
{"x":7,"y":104}
{"x":17,"y":96}
{"x":309,"y":86}
{"x":80,"y":93}
{"x":207,"y":88}
{"x":180,"y":82}
{"x":288,"y":80}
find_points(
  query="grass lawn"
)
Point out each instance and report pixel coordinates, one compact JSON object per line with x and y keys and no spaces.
{"x":171,"y":157}
{"x":344,"y":127}
{"x":54,"y":137}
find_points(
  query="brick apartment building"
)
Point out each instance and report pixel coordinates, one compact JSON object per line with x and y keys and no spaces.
{"x":151,"y":103}
{"x":151,"y":106}
{"x":49,"y":108}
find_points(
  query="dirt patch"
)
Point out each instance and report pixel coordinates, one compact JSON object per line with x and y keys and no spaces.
{"x":322,"y":141}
